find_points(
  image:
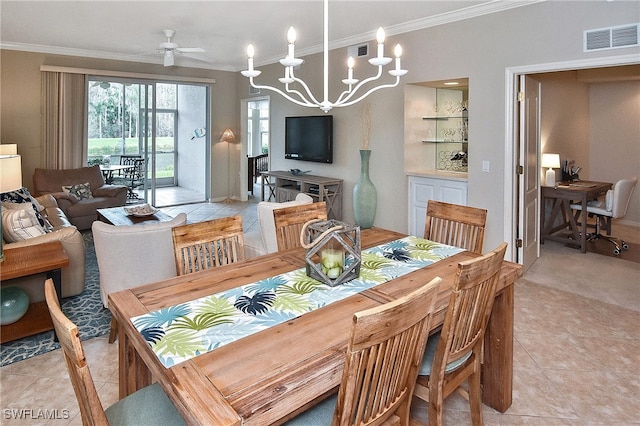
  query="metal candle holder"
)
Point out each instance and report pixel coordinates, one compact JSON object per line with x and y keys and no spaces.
{"x":336,"y":244}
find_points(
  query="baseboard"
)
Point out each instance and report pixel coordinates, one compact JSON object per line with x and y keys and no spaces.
{"x":627,"y":223}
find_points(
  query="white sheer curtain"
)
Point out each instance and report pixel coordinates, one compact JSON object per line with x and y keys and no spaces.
{"x":64,"y":120}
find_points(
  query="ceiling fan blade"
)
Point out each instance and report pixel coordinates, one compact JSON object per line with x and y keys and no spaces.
{"x":196,"y":57}
{"x":190,"y":49}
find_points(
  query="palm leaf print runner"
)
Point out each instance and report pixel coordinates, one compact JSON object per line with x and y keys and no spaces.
{"x":184,"y":331}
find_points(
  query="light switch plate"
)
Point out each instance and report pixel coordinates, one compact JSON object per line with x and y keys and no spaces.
{"x":485,"y":166}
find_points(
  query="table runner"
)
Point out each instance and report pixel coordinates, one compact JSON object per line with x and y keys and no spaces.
{"x":181,"y":332}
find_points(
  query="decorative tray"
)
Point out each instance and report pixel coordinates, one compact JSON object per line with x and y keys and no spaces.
{"x":141,"y":210}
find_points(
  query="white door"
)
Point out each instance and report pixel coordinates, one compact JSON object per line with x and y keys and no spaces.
{"x":529,"y":182}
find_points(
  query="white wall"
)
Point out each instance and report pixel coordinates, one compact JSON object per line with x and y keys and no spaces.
{"x":565,"y":119}
{"x":615,"y":136}
{"x":480,"y":49}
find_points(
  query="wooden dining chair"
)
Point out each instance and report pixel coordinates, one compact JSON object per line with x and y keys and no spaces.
{"x":149,"y":405}
{"x":205,"y":245}
{"x":289,"y":222}
{"x":455,"y":225}
{"x":455,"y":354}
{"x":384,"y":351}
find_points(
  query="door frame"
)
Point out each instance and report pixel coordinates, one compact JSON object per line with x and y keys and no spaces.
{"x":244,"y":103}
{"x":512,"y":75}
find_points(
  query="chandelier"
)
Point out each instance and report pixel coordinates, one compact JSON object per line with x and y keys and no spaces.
{"x":346,"y":98}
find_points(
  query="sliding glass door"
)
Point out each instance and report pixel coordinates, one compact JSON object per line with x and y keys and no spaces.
{"x":163,"y":123}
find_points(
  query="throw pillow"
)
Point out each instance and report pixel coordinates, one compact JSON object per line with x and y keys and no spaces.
{"x":20,"y":224}
{"x":20,"y":206}
{"x":81,"y":190}
{"x":20,"y":196}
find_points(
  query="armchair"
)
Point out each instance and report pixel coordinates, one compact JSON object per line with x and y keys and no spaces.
{"x":80,"y":210}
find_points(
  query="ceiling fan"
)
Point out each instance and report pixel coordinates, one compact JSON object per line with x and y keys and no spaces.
{"x":170,"y":49}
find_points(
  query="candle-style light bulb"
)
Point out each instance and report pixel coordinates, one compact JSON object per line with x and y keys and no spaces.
{"x":350,"y":64}
{"x":291,"y":38}
{"x":380,"y":40}
{"x":291,"y":35}
{"x":398,"y":52}
{"x":250,"y":53}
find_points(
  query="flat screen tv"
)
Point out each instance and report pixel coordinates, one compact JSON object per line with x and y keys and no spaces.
{"x":309,"y":138}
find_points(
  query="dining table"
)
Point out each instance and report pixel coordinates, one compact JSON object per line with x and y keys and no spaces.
{"x":271,"y":375}
{"x":108,"y":170}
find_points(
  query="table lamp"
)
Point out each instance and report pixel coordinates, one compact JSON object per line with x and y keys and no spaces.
{"x":10,"y":180}
{"x":552,"y":161}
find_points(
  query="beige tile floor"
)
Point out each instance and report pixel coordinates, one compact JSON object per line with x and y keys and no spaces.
{"x":576,"y":360}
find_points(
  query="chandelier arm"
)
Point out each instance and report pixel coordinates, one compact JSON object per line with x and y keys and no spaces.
{"x":304,"y":102}
{"x":306,"y":88}
{"x":350,"y":93}
{"x":384,"y":86}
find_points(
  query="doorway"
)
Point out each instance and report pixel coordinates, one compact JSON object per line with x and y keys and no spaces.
{"x":162,"y":123}
{"x":256,"y":125}
{"x":515,"y":225}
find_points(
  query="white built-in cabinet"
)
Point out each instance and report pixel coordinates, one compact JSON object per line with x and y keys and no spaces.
{"x":425,"y":188}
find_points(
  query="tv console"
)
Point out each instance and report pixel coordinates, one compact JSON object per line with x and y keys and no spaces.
{"x":284,"y":186}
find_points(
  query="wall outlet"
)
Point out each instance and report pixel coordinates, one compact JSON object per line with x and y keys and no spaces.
{"x":485,"y":166}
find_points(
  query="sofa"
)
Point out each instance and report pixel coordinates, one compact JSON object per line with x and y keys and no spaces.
{"x":79,"y":192}
{"x":73,"y":276}
{"x":263,"y":240}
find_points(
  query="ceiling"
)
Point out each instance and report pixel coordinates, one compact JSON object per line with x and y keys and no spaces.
{"x":132,"y":30}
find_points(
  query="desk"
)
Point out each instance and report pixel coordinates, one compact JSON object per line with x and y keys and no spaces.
{"x":107,"y":171}
{"x":562,"y":195}
{"x":270,"y":375}
{"x":30,"y":260}
{"x":320,"y":188}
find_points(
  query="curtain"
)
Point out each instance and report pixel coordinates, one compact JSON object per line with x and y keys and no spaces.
{"x":64,"y":120}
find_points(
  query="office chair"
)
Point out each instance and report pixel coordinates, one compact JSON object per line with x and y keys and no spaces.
{"x":614,"y":206}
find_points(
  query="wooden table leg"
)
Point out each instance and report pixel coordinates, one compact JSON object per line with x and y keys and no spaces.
{"x":133,"y":374}
{"x":583,"y":226}
{"x":497,"y":367}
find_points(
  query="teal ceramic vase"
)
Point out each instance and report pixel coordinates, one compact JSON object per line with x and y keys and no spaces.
{"x":14,"y":303}
{"x":365,"y":196}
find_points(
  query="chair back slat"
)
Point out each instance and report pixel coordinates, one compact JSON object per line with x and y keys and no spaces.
{"x":91,"y":408}
{"x":205,"y":245}
{"x":386,"y":345}
{"x":290,"y":220}
{"x":455,"y":225}
{"x":469,"y":309}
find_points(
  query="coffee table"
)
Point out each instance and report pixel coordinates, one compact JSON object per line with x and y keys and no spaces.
{"x":30,"y":260}
{"x":118,"y":216}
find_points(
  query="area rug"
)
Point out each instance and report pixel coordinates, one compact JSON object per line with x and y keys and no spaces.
{"x":85,"y":310}
{"x":605,"y":248}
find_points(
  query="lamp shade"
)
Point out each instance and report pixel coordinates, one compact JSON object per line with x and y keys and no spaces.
{"x":8,"y":149}
{"x":227,"y":136}
{"x":10,"y":173}
{"x":551,"y":160}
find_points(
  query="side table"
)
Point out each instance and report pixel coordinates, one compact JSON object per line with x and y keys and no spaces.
{"x":29,"y":260}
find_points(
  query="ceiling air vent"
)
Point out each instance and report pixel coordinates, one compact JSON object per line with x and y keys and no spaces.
{"x":254,"y":90}
{"x":611,"y":38}
{"x":358,"y":50}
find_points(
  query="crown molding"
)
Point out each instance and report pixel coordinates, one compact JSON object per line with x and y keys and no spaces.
{"x":487,"y":8}
{"x":470,"y":12}
{"x":67,"y":51}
